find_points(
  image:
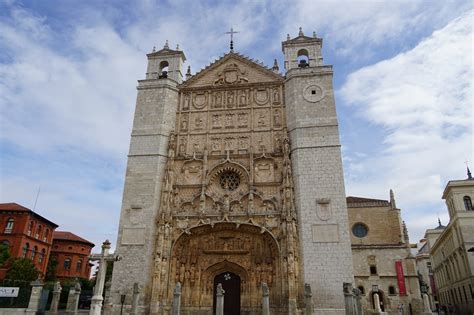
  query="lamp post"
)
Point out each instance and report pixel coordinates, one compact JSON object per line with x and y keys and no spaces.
{"x":122,"y":300}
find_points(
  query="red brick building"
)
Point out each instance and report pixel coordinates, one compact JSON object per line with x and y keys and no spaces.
{"x":72,"y":255}
{"x":27,"y":234}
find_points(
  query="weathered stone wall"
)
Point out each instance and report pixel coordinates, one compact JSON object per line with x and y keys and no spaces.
{"x":319,"y":185}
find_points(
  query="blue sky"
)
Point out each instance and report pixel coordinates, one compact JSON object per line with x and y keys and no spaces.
{"x":403,"y":75}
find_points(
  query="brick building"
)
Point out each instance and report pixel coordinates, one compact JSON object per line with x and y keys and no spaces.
{"x":27,"y":234}
{"x":71,"y":253}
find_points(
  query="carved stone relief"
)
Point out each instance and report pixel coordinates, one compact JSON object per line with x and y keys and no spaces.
{"x":261,"y":119}
{"x":264,"y":170}
{"x":231,"y":75}
{"x":186,"y":101}
{"x":261,"y":96}
{"x":200,"y":100}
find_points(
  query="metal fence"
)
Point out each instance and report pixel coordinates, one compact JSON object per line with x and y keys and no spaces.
{"x":23,"y":298}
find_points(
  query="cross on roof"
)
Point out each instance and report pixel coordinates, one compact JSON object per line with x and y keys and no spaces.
{"x":232,"y":32}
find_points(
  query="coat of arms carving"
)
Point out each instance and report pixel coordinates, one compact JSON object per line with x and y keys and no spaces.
{"x":231,"y":75}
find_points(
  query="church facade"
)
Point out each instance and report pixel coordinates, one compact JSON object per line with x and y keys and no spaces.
{"x":234,"y":176}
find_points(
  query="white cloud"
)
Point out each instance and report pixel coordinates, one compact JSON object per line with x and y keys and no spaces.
{"x":423,"y":100}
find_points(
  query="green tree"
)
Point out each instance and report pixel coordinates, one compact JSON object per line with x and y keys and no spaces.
{"x":51,"y":269}
{"x":4,"y":254}
{"x":22,"y":269}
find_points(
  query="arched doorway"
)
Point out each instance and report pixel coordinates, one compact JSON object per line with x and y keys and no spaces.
{"x":231,"y":285}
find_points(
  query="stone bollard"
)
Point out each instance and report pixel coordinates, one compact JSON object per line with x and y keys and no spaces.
{"x":265,"y":299}
{"x":177,"y":299}
{"x":426,"y":304}
{"x":33,"y":305}
{"x":135,"y":299}
{"x":348,"y":298}
{"x":219,"y":299}
{"x":53,"y":309}
{"x":73,"y":299}
{"x":308,"y":299}
{"x":377,"y":309}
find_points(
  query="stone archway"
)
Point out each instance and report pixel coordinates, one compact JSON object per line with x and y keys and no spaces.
{"x":209,"y":251}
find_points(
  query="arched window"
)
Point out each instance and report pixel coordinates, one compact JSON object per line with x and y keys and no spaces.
{"x":163,"y":70}
{"x":303,"y":58}
{"x":79,"y":266}
{"x":67,"y":264}
{"x":30,"y":228}
{"x":26,"y":248}
{"x":391,"y":290}
{"x":9,"y":226}
{"x":361,"y":289}
{"x":46,"y":235}
{"x":38,"y":231}
{"x":6,"y":244}
{"x":41,"y":256}
{"x":33,"y":253}
{"x":468,"y":203}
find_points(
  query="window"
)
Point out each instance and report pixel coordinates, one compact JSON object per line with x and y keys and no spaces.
{"x":391,"y":290}
{"x":46,"y":235}
{"x":229,"y":180}
{"x":70,"y":247}
{"x":361,"y":289}
{"x":26,"y":248}
{"x":360,"y":230}
{"x":38,"y":231}
{"x":430,"y":268}
{"x":33,"y":253}
{"x":9,"y":226}
{"x":373,"y":270}
{"x":468,"y":203}
{"x":41,"y":256}
{"x":67,"y":264}
{"x":79,"y":266}
{"x":30,"y":228}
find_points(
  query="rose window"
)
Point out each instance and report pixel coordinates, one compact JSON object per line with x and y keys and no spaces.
{"x":230,"y":180}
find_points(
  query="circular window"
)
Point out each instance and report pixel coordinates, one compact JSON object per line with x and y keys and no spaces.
{"x":230,"y":180}
{"x":359,"y":230}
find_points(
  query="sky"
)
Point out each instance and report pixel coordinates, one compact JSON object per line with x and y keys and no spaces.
{"x":403,"y":80}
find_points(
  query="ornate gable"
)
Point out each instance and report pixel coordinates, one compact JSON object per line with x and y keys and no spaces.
{"x":231,"y":70}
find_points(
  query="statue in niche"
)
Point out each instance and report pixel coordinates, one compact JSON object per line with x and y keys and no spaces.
{"x":261,"y":145}
{"x":261,"y":120}
{"x":172,"y":144}
{"x":277,"y":144}
{"x":230,"y":99}
{"x":229,"y":120}
{"x":229,"y":143}
{"x":186,"y":101}
{"x":277,"y":118}
{"x":182,"y":146}
{"x":198,"y":122}
{"x":243,"y":98}
{"x":184,"y":124}
{"x":215,"y":121}
{"x":218,"y":100}
{"x":243,"y":143}
{"x":276,"y":96}
{"x":242,"y":119}
{"x":196,"y":147}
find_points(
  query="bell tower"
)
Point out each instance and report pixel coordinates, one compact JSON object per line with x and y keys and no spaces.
{"x":317,"y":172}
{"x":155,"y":118}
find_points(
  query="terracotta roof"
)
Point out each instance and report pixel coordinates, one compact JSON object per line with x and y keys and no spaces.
{"x":68,"y":236}
{"x":351,"y":199}
{"x":12,"y":206}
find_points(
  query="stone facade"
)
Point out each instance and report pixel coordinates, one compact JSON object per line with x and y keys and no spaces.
{"x":381,"y":256}
{"x":235,"y":177}
{"x":451,"y":253}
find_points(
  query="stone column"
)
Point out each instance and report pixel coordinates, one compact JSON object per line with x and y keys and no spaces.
{"x":177,"y":299}
{"x":135,"y":299}
{"x":308,"y":299}
{"x":53,"y":309}
{"x":107,"y":309}
{"x":77,"y":294}
{"x":426,"y":305}
{"x":219,"y":299}
{"x":96,"y":301}
{"x":349,"y":298}
{"x":358,"y":304}
{"x":33,"y":305}
{"x":265,"y":299}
